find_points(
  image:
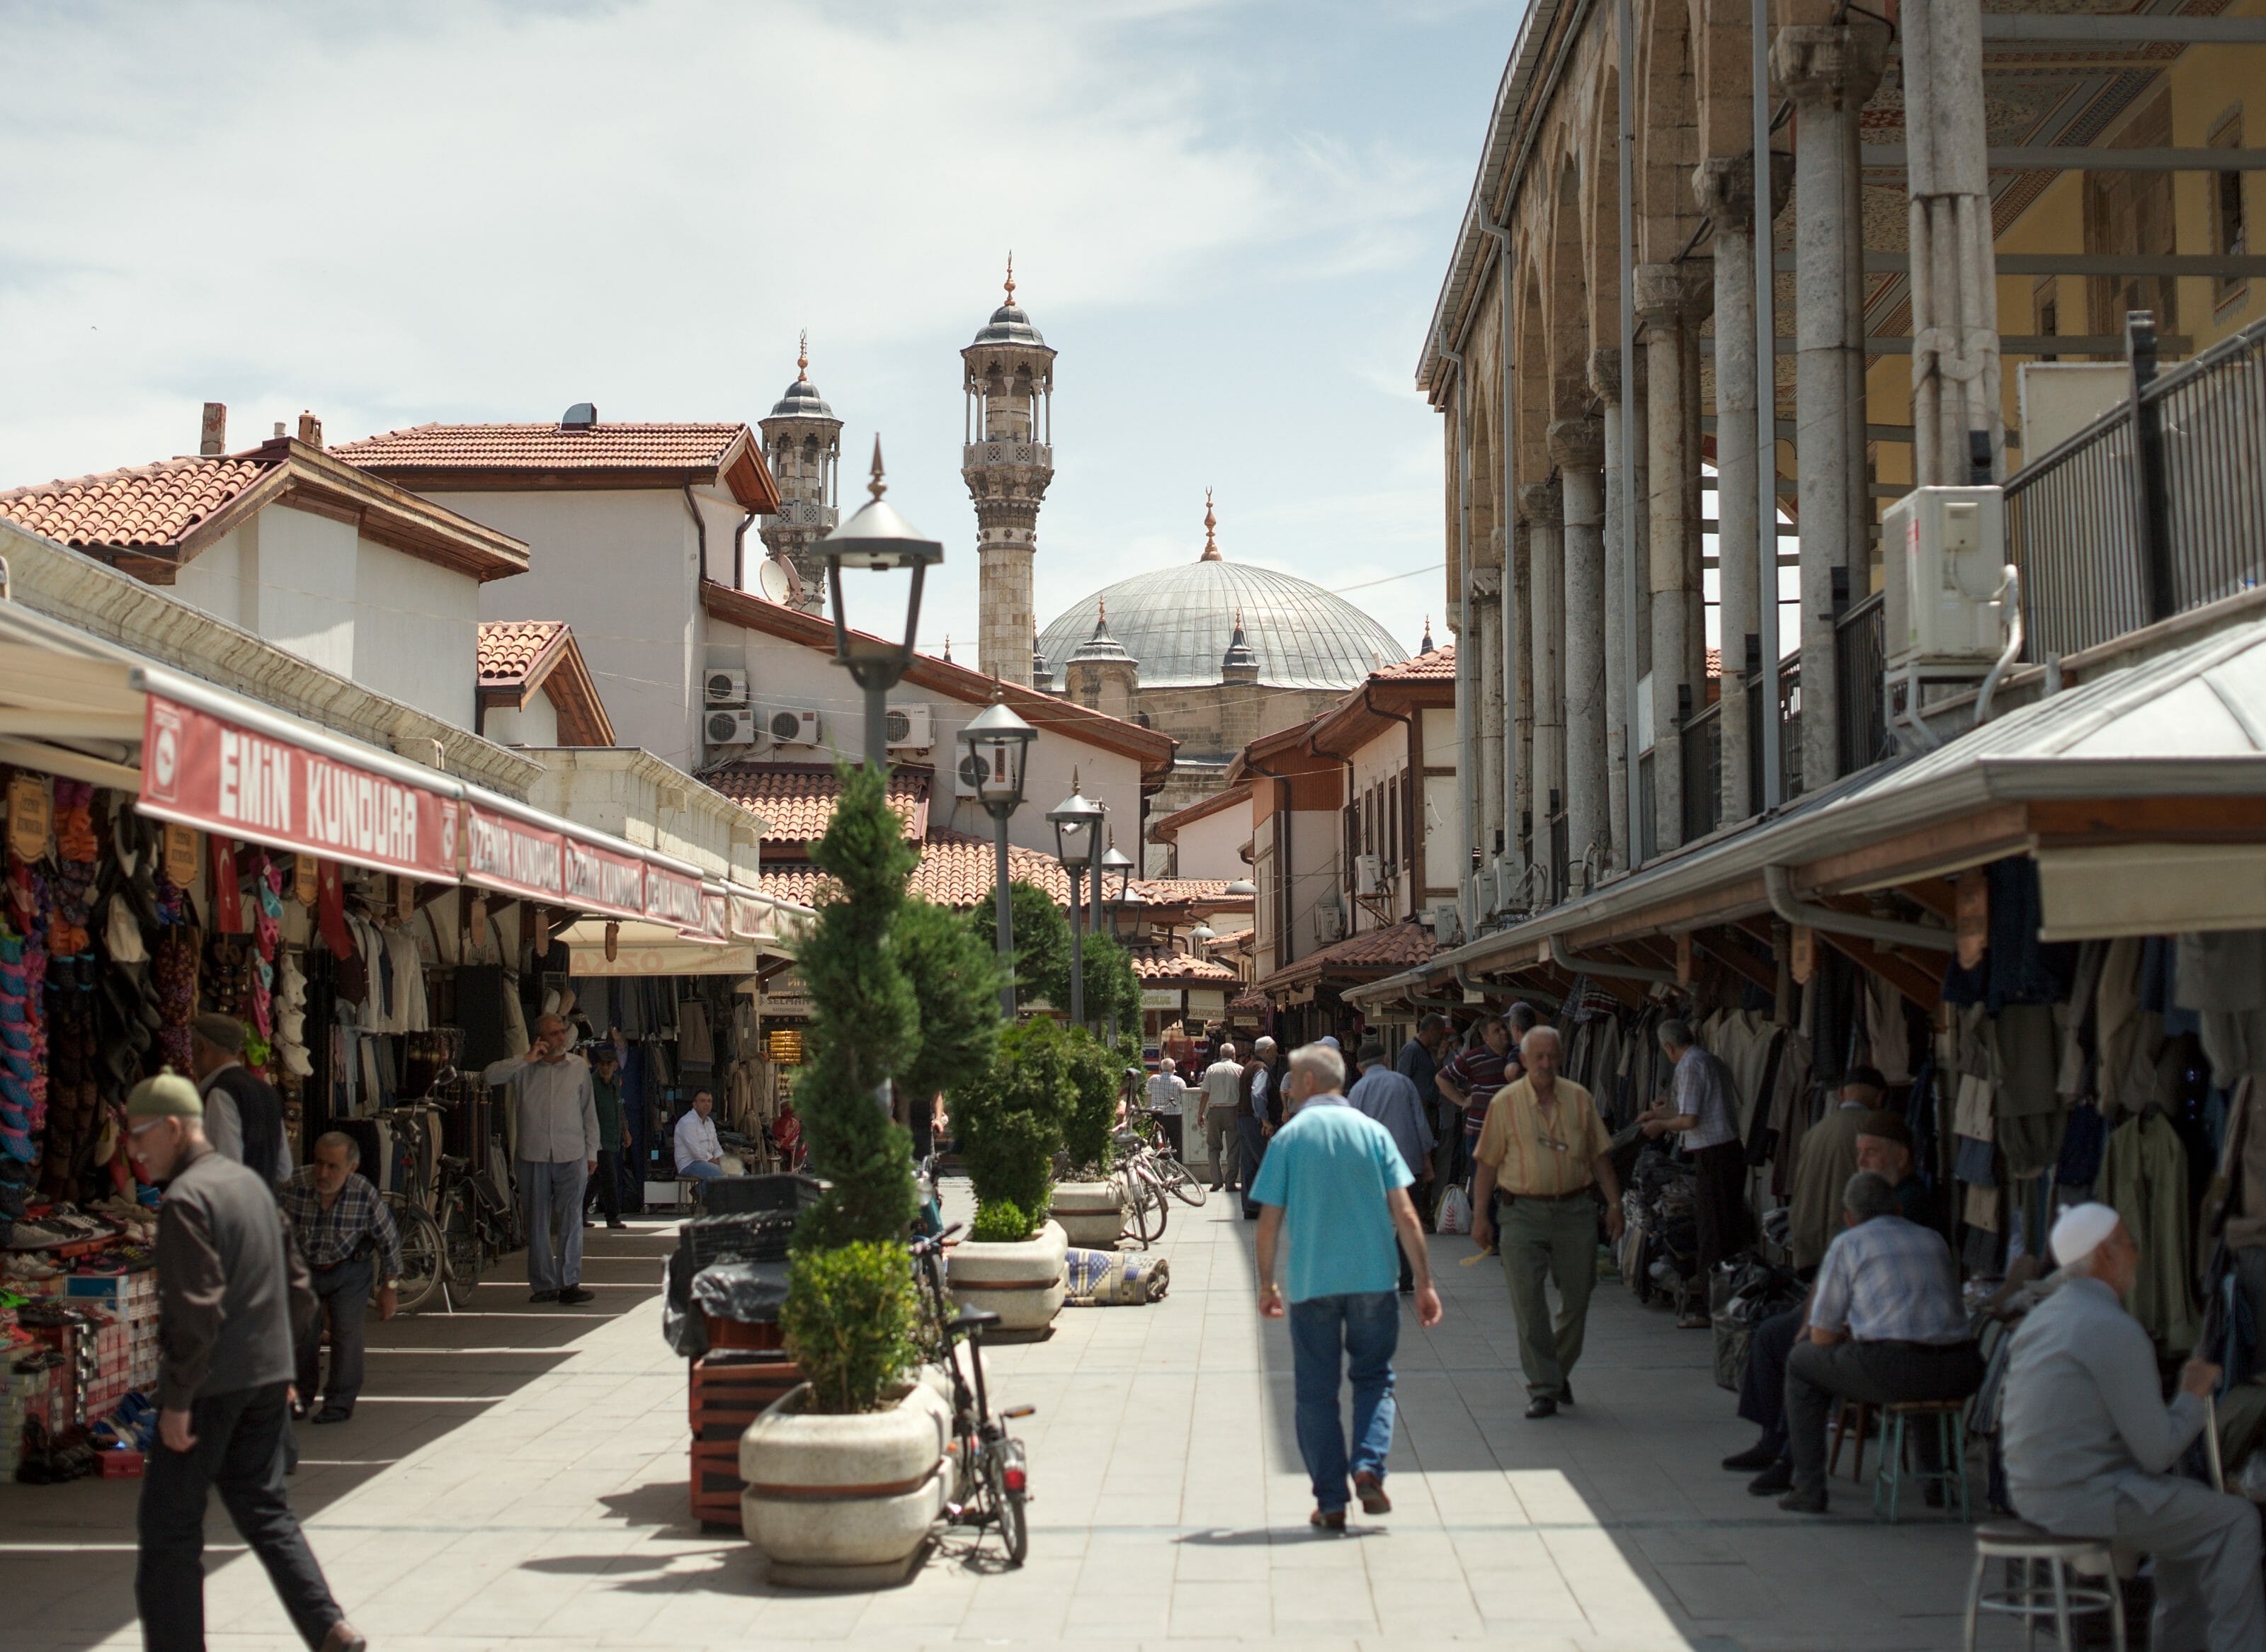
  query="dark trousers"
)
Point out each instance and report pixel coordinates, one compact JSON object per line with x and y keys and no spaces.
{"x":1876,"y":1373}
{"x":239,"y":1451}
{"x":1720,"y":1197}
{"x":342,"y":1295}
{"x":1253,"y":1138}
{"x":1762,"y":1391}
{"x":607,"y":1183}
{"x":1170,"y":1125}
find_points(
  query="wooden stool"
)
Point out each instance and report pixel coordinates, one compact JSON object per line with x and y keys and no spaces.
{"x":1950,"y":1417}
{"x":1843,"y":1423}
{"x":2019,"y":1544}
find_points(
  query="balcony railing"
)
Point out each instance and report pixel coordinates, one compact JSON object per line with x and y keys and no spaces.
{"x":1860,"y":655}
{"x":1703,"y":771}
{"x":2157,"y":507}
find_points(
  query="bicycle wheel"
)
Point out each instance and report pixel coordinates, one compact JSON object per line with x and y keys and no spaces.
{"x":421,"y":1253}
{"x":1003,"y":1489}
{"x":461,"y":1249}
{"x":1145,"y":1206}
{"x":1180,"y":1183}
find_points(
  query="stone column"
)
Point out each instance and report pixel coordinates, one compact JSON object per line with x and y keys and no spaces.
{"x":1830,"y":72}
{"x":1487,"y":637}
{"x":1519,"y":601}
{"x":1578,"y":445}
{"x":1606,"y":380}
{"x":1545,"y":602}
{"x":1746,"y":549}
{"x":1669,"y":298}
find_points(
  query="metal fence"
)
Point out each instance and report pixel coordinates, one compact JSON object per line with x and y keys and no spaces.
{"x":1859,"y":657}
{"x":2157,"y":507}
{"x":1703,"y":771}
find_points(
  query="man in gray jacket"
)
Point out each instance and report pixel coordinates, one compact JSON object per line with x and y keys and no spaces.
{"x":554,"y":1149}
{"x":231,"y":1292}
{"x":2088,"y":1441}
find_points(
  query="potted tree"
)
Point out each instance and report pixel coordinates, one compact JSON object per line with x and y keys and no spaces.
{"x":1089,"y":1204}
{"x":1008,"y":1121}
{"x":843,"y":1472}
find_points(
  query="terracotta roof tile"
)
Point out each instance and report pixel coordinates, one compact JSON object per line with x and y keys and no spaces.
{"x":1174,"y":966}
{"x":1438,"y":665}
{"x":954,"y":870}
{"x":1177,"y":891}
{"x":509,"y":648}
{"x":1251,"y":1001}
{"x":543,"y":447}
{"x":797,"y":799}
{"x":149,"y":507}
{"x":1405,"y":945}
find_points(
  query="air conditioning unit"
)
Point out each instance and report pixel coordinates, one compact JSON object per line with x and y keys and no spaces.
{"x":908,"y":728}
{"x":1330,"y":922}
{"x":792,"y":728}
{"x":731,"y":728}
{"x":1944,"y":553}
{"x":1444,"y":922}
{"x":727,"y":685}
{"x":1368,"y":875}
{"x":969,"y":778}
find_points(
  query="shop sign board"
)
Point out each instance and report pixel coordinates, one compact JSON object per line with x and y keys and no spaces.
{"x":204,"y":771}
{"x":600,"y":881}
{"x":749,"y":918}
{"x":671,"y":897}
{"x":513,"y":857}
{"x":180,"y":855}
{"x":1802,"y":941}
{"x":715,"y":918}
{"x":1207,"y":1001}
{"x":306,"y":875}
{"x":1161,"y":998}
{"x":31,"y":814}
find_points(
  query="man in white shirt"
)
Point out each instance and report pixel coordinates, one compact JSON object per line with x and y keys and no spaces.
{"x":554,"y":1150}
{"x":698,"y":1154}
{"x":1166,"y":1090}
{"x":1216,"y":1116}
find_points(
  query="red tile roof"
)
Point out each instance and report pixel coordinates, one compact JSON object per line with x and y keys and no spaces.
{"x":1172,"y":967}
{"x":543,"y":447}
{"x":509,"y":648}
{"x":1438,"y":665}
{"x":1181,"y":891}
{"x":1397,"y":946}
{"x":797,"y":799}
{"x":149,"y":508}
{"x":954,"y":870}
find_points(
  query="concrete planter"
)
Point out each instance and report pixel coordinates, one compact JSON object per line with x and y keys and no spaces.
{"x":1092,"y":1213}
{"x":843,"y":1502}
{"x":1023,"y":1283}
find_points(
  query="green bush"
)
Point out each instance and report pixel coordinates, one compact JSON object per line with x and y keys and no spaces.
{"x":1091,"y":1121}
{"x":1001,"y":1222}
{"x":1008,"y":1120}
{"x":848,"y":1322}
{"x":955,"y":976}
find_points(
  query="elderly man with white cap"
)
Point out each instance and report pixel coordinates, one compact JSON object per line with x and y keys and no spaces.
{"x":2087,"y":1440}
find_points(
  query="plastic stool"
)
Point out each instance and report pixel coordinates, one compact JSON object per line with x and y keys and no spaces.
{"x":2019,"y":1544}
{"x":1950,"y":1417}
{"x":1849,"y":1416}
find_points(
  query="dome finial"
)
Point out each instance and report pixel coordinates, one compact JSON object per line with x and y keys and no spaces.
{"x":1426,"y":647}
{"x":1011,"y":275}
{"x":1211,"y":545}
{"x":877,"y":487}
{"x":948,"y":647}
{"x":802,"y":358}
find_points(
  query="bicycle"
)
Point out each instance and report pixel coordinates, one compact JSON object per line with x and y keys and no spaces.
{"x":422,"y":1255}
{"x":990,"y":1478}
{"x":1179,"y":1180}
{"x":473,"y":1220}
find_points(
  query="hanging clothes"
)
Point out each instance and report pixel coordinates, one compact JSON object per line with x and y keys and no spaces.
{"x":694,"y":1047}
{"x":2143,"y":1175}
{"x":1886,"y":1030}
{"x":2222,"y":974}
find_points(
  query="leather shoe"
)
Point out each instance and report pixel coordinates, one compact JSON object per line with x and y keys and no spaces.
{"x":1777,"y":1478}
{"x":1753,"y":1458}
{"x":574,"y":1294}
{"x":1566,"y":1393}
{"x":344,"y":1637}
{"x":1804,"y":1501}
{"x":333,"y":1414}
{"x":1541,"y":1406}
{"x":1370,"y":1490}
{"x":543,"y":1296}
{"x":1327,"y":1519}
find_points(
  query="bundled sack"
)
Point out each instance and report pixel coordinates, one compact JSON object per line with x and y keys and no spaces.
{"x":1115,"y":1279}
{"x":1455,"y":1212}
{"x":1743,"y":1294}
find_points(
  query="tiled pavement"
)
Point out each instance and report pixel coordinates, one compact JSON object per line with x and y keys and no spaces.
{"x":516,"y":1476}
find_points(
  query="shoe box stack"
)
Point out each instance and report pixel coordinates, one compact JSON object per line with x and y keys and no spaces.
{"x":126,"y":1351}
{"x":728,"y":1389}
{"x":30,"y":1386}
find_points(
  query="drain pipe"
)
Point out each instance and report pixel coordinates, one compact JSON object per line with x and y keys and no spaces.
{"x":2009,"y":598}
{"x":699,"y":528}
{"x":739,"y":552}
{"x":1566,"y":958}
{"x":1779,"y":884}
{"x":1467,"y":677}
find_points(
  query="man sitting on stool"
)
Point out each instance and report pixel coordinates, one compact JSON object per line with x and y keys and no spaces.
{"x":346,"y":1233}
{"x":2087,"y":1439}
{"x":698,"y":1154}
{"x":1885,"y":1326}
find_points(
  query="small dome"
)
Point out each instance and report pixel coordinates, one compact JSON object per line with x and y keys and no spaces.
{"x":1101,"y":644}
{"x":802,"y":401}
{"x":1009,"y":325}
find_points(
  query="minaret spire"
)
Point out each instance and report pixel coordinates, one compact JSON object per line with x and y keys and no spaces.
{"x":802,"y":358}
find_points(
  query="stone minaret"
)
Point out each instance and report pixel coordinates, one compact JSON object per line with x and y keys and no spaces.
{"x":802,"y":442}
{"x":1008,"y":460}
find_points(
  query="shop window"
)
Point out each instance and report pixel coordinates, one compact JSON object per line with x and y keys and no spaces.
{"x":2045,"y":303}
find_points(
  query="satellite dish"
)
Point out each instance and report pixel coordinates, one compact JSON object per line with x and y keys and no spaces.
{"x":777,"y":580}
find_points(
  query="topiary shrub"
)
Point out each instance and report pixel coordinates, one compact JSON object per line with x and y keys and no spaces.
{"x":848,"y":1322}
{"x":1090,"y":1122}
{"x":955,"y":975}
{"x":1001,"y":1222}
{"x":1008,"y":1120}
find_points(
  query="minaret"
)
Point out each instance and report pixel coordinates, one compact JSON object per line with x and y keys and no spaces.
{"x":802,"y":442}
{"x":1007,"y":460}
{"x":1239,"y":682}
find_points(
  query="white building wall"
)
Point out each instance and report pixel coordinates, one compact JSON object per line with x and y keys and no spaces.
{"x":417,"y":631}
{"x":1446,"y":852}
{"x":216,"y":581}
{"x":535,"y":726}
{"x":1375,"y":763}
{"x":1212,"y":847}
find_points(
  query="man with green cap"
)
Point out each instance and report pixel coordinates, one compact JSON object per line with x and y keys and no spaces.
{"x":231,"y":1292}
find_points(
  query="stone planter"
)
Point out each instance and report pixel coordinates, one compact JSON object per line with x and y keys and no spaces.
{"x":1023,"y":1283}
{"x":1092,"y":1213}
{"x":843,"y":1502}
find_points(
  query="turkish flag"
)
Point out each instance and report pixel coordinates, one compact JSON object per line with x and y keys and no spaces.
{"x":227,"y":898}
{"x":331,"y":908}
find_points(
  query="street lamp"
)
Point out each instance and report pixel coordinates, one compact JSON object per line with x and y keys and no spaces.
{"x":1113,"y":881}
{"x":1242,"y":887}
{"x":879,"y":541}
{"x":1201,"y":937}
{"x":998,"y":742}
{"x":1077,"y":823}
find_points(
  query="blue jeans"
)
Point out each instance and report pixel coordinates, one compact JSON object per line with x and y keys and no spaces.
{"x":1359,"y":1330}
{"x":554,"y":1222}
{"x":700,"y":1170}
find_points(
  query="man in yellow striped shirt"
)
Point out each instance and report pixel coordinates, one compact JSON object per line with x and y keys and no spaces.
{"x":1545,"y":1148}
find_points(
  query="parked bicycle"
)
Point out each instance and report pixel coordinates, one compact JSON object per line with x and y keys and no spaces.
{"x":468,"y":1222}
{"x":991,"y":1475}
{"x":1151,"y":1174}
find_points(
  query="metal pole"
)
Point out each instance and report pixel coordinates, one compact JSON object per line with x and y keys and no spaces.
{"x":1773,"y":762}
{"x":877,"y":725}
{"x":1003,"y":900}
{"x":1636,"y":578}
{"x":1076,"y":952}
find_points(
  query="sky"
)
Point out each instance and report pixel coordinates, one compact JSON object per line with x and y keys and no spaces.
{"x":1231,"y":217}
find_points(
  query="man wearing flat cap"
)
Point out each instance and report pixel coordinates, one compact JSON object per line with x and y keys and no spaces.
{"x":2089,"y":1443}
{"x":232,"y":1288}
{"x":244,"y":1117}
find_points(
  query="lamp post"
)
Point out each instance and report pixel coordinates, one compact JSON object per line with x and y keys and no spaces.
{"x":1077,"y":823}
{"x":1201,"y":937}
{"x":1113,"y":881}
{"x":996,"y":742}
{"x":879,"y":541}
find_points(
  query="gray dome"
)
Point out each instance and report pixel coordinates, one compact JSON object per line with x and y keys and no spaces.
{"x":802,"y":401}
{"x":1009,"y":325}
{"x":1178,"y":622}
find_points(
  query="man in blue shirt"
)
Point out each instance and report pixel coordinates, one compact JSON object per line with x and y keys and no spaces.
{"x":1393,"y":1100}
{"x":1337,"y":1181}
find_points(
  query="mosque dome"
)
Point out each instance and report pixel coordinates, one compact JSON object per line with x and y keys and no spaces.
{"x":1179,"y":623}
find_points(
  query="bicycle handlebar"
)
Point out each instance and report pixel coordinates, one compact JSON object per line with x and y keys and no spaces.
{"x":928,"y":1246}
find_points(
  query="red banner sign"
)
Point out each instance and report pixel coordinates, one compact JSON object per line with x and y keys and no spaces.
{"x":715,"y":918}
{"x":512,"y":857}
{"x":599,"y":879}
{"x":671,"y":897}
{"x":205,"y":771}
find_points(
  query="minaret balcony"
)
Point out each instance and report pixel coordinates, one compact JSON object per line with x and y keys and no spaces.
{"x":1007,"y":455}
{"x":805,"y":513}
